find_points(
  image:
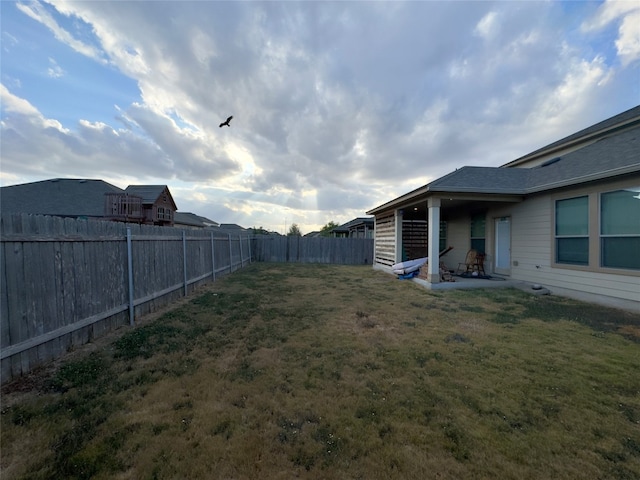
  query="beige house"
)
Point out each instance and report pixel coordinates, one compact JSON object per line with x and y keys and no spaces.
{"x":566,"y":216}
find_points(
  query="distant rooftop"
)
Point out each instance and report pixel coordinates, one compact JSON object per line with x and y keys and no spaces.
{"x":67,"y":197}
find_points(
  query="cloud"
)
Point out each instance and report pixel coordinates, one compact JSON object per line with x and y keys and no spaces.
{"x":95,"y":148}
{"x":338,"y":106}
{"x":488,"y":25}
{"x":9,"y":41}
{"x":627,"y":15}
{"x":40,"y":13}
{"x":54,"y":70}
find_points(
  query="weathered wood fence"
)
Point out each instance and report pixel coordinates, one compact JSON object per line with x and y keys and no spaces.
{"x":343,"y":251}
{"x":64,"y":282}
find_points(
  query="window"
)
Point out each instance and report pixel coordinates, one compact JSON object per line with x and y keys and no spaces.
{"x":164,"y":213}
{"x":478,"y":225}
{"x":443,"y":236}
{"x":572,"y":231}
{"x":620,"y":229}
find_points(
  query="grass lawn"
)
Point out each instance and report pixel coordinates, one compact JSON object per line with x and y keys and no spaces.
{"x":330,"y":372}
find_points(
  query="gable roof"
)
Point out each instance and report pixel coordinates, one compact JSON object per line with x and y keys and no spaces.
{"x":353,"y":223}
{"x":148,"y":193}
{"x":626,"y":119}
{"x":188,"y":218}
{"x":67,"y":197}
{"x":231,"y":226}
{"x":610,"y":156}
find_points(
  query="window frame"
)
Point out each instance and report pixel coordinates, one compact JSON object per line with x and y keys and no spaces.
{"x":558,"y":238}
{"x":595,"y":253}
{"x":483,"y":238}
{"x":602,"y":236}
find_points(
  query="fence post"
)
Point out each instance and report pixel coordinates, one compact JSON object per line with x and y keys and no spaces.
{"x":230,"y":255}
{"x":213,"y":260}
{"x":130,"y":274}
{"x":241,"y":257}
{"x":249,"y":246}
{"x":184,"y":260}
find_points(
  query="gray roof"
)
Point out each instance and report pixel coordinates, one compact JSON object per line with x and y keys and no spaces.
{"x":68,"y":197}
{"x":622,"y":120}
{"x":482,"y":180}
{"x":188,"y":218}
{"x":231,"y":226}
{"x":353,"y":223}
{"x":149,"y":193}
{"x":609,"y":156}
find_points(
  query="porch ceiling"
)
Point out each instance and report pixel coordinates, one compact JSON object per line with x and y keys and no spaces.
{"x":454,"y":203}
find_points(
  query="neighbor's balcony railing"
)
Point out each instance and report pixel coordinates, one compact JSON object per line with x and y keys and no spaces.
{"x":123,"y":207}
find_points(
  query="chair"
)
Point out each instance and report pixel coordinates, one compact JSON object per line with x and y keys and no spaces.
{"x":474,"y":262}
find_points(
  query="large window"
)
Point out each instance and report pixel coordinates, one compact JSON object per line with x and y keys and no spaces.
{"x":572,"y":231}
{"x":478,"y":228}
{"x":620,"y":229}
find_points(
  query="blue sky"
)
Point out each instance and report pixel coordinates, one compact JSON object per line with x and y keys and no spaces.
{"x":338,"y":106}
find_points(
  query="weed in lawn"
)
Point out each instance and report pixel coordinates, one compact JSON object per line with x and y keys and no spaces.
{"x":224,"y":429}
{"x":459,"y":444}
{"x":504,"y":317}
{"x":246,"y":372}
{"x":90,"y":372}
{"x":457,"y":337}
{"x":146,"y":340}
{"x":158,"y":428}
{"x":22,"y":415}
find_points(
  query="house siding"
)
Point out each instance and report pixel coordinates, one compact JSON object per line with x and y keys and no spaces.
{"x":385,"y":239}
{"x":532,"y":252}
{"x":459,"y":237}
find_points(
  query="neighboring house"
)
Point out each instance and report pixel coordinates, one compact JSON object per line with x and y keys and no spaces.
{"x":361,"y":227}
{"x":91,"y":199}
{"x":158,"y":207}
{"x":232,"y":227}
{"x":191,"y":220}
{"x":566,"y":216}
{"x":63,"y":197}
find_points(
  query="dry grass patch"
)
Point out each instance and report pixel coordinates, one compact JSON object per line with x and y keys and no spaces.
{"x":313,"y":371}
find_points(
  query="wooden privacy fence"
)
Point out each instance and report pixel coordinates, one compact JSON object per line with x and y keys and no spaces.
{"x":64,"y":282}
{"x":343,"y":251}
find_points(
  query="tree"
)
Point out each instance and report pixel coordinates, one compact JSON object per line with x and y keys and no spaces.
{"x":326,"y":230}
{"x":260,"y":231}
{"x":294,"y":231}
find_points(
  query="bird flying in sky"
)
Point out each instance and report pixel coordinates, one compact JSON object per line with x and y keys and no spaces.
{"x":226,"y":122}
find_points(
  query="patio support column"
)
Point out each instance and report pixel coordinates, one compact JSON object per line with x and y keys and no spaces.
{"x":433,"y":271}
{"x":398,"y":241}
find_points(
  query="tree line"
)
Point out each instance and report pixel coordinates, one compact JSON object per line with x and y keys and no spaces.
{"x":294,"y":230}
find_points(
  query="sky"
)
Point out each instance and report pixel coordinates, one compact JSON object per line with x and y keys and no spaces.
{"x":338,"y":107}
